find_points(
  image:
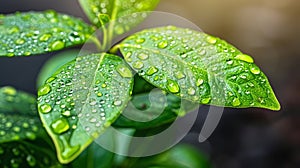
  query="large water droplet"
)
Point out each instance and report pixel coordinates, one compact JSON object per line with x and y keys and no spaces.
{"x":236,"y":102}
{"x":255,"y":70}
{"x":57,"y":45}
{"x":205,"y":100}
{"x":152,"y":70}
{"x":124,"y":71}
{"x":45,"y":37}
{"x":211,"y":39}
{"x":244,"y":57}
{"x":44,"y":90}
{"x":60,"y":126}
{"x":45,"y":108}
{"x":138,"y":65}
{"x":31,"y":160}
{"x":173,"y":86}
{"x":163,"y":44}
{"x":140,"y":40}
{"x":143,"y":56}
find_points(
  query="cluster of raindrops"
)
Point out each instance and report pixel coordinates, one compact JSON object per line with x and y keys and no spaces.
{"x":18,"y":115}
{"x":196,"y":66}
{"x":20,"y":155}
{"x":88,"y":93}
{"x":24,"y":34}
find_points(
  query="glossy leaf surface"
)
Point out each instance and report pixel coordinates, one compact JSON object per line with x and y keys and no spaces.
{"x":198,"y":67}
{"x":114,"y":9}
{"x":82,"y":99}
{"x":18,"y":116}
{"x":24,"y":34}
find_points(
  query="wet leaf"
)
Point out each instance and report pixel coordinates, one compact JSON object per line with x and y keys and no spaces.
{"x":82,"y":99}
{"x":180,"y":156}
{"x":25,"y":154}
{"x":154,"y":109}
{"x":18,"y":116}
{"x":115,"y":9}
{"x":198,"y":67}
{"x":24,"y":34}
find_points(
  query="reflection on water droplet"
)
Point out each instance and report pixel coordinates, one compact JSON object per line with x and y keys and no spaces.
{"x":44,"y":90}
{"x":211,"y":39}
{"x":60,"y":126}
{"x":255,"y":70}
{"x":199,"y":82}
{"x":66,"y":113}
{"x":230,"y":62}
{"x":173,"y":86}
{"x":244,"y":57}
{"x":138,"y":65}
{"x":152,"y":70}
{"x":163,"y":44}
{"x":124,"y":71}
{"x":143,"y":56}
{"x":57,"y":45}
{"x":191,"y":91}
{"x":236,"y":102}
{"x":45,"y":108}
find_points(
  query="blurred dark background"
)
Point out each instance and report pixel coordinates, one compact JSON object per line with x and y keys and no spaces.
{"x":269,"y":30}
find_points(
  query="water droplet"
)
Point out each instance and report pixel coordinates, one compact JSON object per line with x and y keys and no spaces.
{"x":128,"y":55}
{"x":45,"y":37}
{"x":124,"y":71}
{"x":191,"y":91}
{"x":30,"y":135}
{"x":16,"y":151}
{"x":163,"y":44}
{"x":230,"y":62}
{"x":236,"y":102}
{"x":8,"y":124}
{"x":14,"y":29}
{"x":205,"y":100}
{"x":103,"y":85}
{"x":99,"y":94}
{"x":179,"y":75}
{"x":199,"y":82}
{"x":45,"y":108}
{"x":140,"y":40}
{"x":57,"y":45}
{"x":1,"y":151}
{"x":119,"y":29}
{"x":17,"y":129}
{"x":211,"y":39}
{"x":255,"y":70}
{"x":138,"y":65}
{"x":117,"y":102}
{"x":44,"y":90}
{"x":152,"y":70}
{"x":31,"y":160}
{"x":244,"y":57}
{"x":143,"y":56}
{"x":202,"y":52}
{"x":20,"y":41}
{"x":60,"y":126}
{"x":173,"y":86}
{"x":66,"y":113}
{"x":9,"y":90}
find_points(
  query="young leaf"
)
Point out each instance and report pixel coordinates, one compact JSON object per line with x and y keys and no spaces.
{"x":151,"y":110}
{"x":18,"y":116}
{"x":198,"y":67}
{"x":25,"y":154}
{"x":82,"y":99}
{"x":40,"y":32}
{"x":115,"y":8}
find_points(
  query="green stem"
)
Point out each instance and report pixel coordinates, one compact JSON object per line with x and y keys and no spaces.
{"x":96,"y":42}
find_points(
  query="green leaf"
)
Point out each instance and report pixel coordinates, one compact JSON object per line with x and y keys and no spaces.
{"x":82,"y":99}
{"x":40,"y":32}
{"x":198,"y":67}
{"x":53,"y":64}
{"x":25,"y":154}
{"x":115,"y":9}
{"x":94,"y":157}
{"x":181,"y":156}
{"x":149,"y":110}
{"x":18,"y":116}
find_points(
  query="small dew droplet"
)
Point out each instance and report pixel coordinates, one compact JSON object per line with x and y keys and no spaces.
{"x":143,"y":56}
{"x":31,"y":160}
{"x":117,"y":102}
{"x":236,"y":102}
{"x":124,"y":71}
{"x":57,"y":45}
{"x":244,"y":57}
{"x":44,"y":90}
{"x":163,"y":44}
{"x":138,"y":65}
{"x":140,"y":40}
{"x":205,"y":100}
{"x":179,"y":75}
{"x":152,"y":70}
{"x":9,"y":90}
{"x":211,"y":39}
{"x":191,"y":91}
{"x":45,"y":108}
{"x":255,"y":70}
{"x":199,"y":82}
